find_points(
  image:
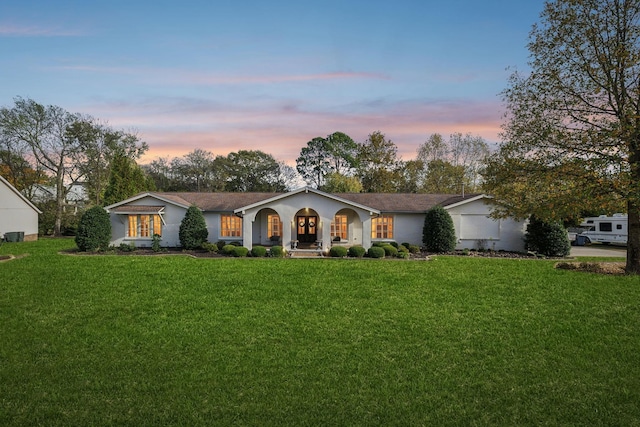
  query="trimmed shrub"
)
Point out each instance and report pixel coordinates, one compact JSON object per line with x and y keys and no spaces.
{"x":258,"y":251}
{"x":210,"y":247}
{"x":549,"y":239}
{"x":390,"y":251}
{"x":338,"y":251}
{"x":155,"y":243}
{"x":220,"y":244}
{"x":277,"y":251}
{"x":375,"y":252}
{"x":394,"y":244}
{"x":403,"y":252}
{"x":356,"y":251}
{"x":239,"y":251}
{"x":406,"y":244}
{"x":94,"y":230}
{"x":438,"y":233}
{"x":227,"y":249}
{"x":193,"y":229}
{"x":127,"y":247}
{"x":414,"y":249}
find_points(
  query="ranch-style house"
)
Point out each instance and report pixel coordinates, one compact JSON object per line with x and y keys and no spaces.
{"x":311,"y":219}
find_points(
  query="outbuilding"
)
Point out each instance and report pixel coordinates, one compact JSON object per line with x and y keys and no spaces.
{"x":18,"y":216}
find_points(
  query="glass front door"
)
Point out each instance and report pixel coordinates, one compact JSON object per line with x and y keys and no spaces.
{"x":307,"y":229}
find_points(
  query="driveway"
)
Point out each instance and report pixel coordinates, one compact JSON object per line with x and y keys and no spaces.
{"x":599,"y":251}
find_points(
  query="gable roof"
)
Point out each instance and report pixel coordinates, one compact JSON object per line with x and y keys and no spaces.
{"x":308,"y":190}
{"x":19,"y":194}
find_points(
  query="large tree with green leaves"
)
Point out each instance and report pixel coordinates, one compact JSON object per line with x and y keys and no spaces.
{"x":99,"y":145}
{"x":379,"y":167}
{"x":322,"y":156}
{"x":572,"y":135}
{"x":252,"y":170}
{"x":126,"y":179}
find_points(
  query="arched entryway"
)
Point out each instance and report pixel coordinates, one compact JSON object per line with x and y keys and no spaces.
{"x":307,"y":228}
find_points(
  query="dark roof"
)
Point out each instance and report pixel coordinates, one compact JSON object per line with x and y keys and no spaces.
{"x":384,"y":202}
{"x":403,"y":202}
{"x":138,"y":209}
{"x":224,"y":202}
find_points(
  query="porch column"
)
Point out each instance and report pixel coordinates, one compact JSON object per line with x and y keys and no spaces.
{"x":326,"y":233}
{"x":366,"y":233}
{"x":286,"y":233}
{"x":247,"y":232}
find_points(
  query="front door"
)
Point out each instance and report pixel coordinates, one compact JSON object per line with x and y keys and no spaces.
{"x":307,"y":229}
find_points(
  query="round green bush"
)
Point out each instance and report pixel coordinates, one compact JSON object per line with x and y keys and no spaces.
{"x":193,"y":229}
{"x":390,"y":251}
{"x":227,"y":249}
{"x":356,"y":251}
{"x":549,"y":239}
{"x":220,"y":244}
{"x":376,"y":252}
{"x":239,"y":251}
{"x":338,"y":251}
{"x":414,"y":249}
{"x":406,"y":244}
{"x":394,"y":244}
{"x":210,"y":247}
{"x":403,"y":252}
{"x":277,"y":251}
{"x":94,"y":230}
{"x":438,"y":233}
{"x":258,"y":251}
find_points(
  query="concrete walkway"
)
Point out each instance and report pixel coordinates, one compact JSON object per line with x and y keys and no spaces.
{"x":599,"y":251}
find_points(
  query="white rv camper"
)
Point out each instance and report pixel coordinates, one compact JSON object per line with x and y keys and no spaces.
{"x":603,"y":229}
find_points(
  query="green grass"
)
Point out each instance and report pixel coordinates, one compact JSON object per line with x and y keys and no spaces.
{"x":134,"y":340}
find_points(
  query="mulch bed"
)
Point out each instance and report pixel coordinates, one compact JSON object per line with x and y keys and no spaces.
{"x":609,"y":268}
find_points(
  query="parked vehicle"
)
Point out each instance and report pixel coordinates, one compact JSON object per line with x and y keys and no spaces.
{"x":603,"y":229}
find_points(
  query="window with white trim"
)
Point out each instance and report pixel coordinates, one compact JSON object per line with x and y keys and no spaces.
{"x":339,"y":227}
{"x":144,"y":226}
{"x":274,"y":226}
{"x":230,"y":226}
{"x":382,"y":227}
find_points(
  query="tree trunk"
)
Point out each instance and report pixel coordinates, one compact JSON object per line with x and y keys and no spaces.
{"x":633,"y":238}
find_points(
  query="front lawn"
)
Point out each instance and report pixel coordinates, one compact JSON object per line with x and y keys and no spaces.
{"x":172,"y":340}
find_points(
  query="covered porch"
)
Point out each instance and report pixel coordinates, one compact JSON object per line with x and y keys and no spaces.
{"x":306,"y":220}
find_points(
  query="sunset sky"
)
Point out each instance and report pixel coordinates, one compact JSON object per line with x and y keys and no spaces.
{"x":268,"y":75}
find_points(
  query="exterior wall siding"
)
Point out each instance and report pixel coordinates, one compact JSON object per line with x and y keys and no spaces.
{"x":16,"y":215}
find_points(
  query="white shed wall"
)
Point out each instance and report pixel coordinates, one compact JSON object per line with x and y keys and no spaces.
{"x":16,"y":214}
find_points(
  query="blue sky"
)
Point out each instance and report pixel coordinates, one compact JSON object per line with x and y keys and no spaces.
{"x":225,"y":76}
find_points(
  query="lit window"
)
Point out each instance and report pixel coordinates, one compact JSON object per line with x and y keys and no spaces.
{"x":274,"y":226}
{"x":230,"y":226}
{"x":339,"y":227}
{"x":382,"y":227}
{"x":144,"y":226}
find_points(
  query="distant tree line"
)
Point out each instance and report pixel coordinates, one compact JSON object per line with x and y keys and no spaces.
{"x":46,"y":148}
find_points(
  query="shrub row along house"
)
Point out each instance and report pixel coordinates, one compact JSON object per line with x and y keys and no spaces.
{"x":309,"y":218}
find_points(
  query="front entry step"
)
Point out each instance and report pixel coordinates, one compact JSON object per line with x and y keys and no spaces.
{"x":305,"y":253}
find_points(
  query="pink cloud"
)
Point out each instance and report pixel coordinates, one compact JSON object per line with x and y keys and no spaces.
{"x":174,"y":127}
